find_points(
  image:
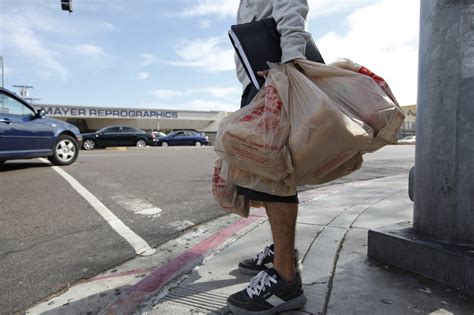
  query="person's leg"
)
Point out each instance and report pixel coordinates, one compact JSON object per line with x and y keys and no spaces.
{"x":282,"y":218}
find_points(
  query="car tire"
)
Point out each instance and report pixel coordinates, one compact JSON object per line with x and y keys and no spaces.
{"x":89,"y":144}
{"x":141,"y":143}
{"x":2,"y":161}
{"x":197,"y":144}
{"x":65,"y":151}
{"x":164,"y":144}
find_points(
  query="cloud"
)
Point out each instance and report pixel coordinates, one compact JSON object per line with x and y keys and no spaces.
{"x":318,"y":8}
{"x":20,"y":34}
{"x":378,"y":39}
{"x":143,"y":76}
{"x":166,"y":93}
{"x":219,"y":8}
{"x":91,"y":50}
{"x":218,"y":92}
{"x":204,"y":24}
{"x":205,"y":54}
{"x":228,"y":8}
{"x":108,"y":26}
{"x":147,"y":59}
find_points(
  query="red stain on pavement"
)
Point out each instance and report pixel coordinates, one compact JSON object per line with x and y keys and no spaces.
{"x":136,"y":294}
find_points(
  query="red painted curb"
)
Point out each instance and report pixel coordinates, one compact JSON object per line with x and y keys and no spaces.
{"x":137,"y":293}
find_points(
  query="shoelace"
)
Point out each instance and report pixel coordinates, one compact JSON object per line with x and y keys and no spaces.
{"x":261,"y":255}
{"x":259,"y":282}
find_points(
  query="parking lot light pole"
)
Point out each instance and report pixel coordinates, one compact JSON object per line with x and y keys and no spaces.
{"x":440,"y":244}
{"x":3,"y":83}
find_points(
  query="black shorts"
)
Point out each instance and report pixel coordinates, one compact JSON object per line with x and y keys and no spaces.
{"x":248,"y":95}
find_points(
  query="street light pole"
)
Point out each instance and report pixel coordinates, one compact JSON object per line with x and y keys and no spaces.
{"x":440,"y":244}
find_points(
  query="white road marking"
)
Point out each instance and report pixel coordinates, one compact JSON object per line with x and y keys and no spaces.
{"x":140,"y":245}
{"x":137,"y":206}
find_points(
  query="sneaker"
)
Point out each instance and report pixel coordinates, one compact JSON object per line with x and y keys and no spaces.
{"x":263,"y":260}
{"x":268,"y":294}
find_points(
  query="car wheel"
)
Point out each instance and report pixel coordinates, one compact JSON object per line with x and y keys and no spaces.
{"x":197,"y":144}
{"x":89,"y":144}
{"x":2,"y":161}
{"x":140,"y":143}
{"x":164,"y":144}
{"x":65,"y":151}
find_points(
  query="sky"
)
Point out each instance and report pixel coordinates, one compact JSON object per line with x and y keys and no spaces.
{"x":175,"y":54}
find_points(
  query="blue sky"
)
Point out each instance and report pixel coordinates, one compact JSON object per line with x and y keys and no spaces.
{"x":175,"y":53}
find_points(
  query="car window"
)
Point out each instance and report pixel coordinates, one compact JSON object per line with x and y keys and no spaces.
{"x":11,"y":106}
{"x":190,"y":133}
{"x":112,"y":130}
{"x":129,"y":129}
{"x":179,"y":134}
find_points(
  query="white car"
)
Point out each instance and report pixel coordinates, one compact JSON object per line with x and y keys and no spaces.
{"x":408,"y":140}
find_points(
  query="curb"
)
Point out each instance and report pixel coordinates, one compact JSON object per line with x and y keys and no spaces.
{"x":183,"y":263}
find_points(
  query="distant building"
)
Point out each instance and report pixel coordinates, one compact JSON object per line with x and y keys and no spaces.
{"x":88,"y":118}
{"x":409,"y":125}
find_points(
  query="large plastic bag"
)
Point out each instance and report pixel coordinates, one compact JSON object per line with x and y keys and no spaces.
{"x":357,"y":89}
{"x":255,"y":137}
{"x":225,"y":193}
{"x":324,"y":136}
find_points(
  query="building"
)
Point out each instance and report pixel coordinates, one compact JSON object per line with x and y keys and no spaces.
{"x":409,"y":125}
{"x":88,"y":118}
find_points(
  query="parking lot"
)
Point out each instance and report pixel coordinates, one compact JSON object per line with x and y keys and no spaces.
{"x":59,"y":228}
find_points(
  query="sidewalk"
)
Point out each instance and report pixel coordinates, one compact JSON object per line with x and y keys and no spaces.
{"x":196,"y":272}
{"x":338,"y":277}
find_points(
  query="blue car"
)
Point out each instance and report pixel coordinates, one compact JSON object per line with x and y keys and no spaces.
{"x":26,"y":133}
{"x":183,"y":137}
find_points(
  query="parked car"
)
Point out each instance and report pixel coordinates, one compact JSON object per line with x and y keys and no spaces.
{"x":26,"y":133}
{"x":183,"y":137}
{"x":117,"y":136}
{"x":408,"y":140}
{"x":158,"y":134}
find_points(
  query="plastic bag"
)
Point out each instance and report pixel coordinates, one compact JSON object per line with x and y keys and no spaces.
{"x":358,"y":90}
{"x":225,"y":193}
{"x":255,"y":137}
{"x":324,"y":136}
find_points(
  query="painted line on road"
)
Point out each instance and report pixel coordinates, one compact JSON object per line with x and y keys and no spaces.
{"x":140,"y":246}
{"x":138,"y":293}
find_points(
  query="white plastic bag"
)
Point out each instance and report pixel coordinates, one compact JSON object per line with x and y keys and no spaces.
{"x":255,"y":137}
{"x":357,"y":89}
{"x":225,"y":193}
{"x":324,"y":136}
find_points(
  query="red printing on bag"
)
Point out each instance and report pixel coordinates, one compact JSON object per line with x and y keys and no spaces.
{"x":379,"y":80}
{"x":271,"y":108}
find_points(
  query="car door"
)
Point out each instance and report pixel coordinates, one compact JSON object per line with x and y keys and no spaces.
{"x":110,"y":137}
{"x":190,"y":137}
{"x":179,"y":138}
{"x":131,"y":135}
{"x":22,"y":131}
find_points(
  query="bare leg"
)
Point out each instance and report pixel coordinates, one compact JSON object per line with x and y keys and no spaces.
{"x":282,"y":217}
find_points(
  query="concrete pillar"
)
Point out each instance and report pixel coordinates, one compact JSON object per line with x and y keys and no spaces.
{"x":440,"y":244}
{"x":444,"y":180}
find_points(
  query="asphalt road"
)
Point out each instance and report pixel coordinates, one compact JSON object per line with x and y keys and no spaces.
{"x":51,"y":237}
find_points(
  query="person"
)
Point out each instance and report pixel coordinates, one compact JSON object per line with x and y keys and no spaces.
{"x":278,"y":288}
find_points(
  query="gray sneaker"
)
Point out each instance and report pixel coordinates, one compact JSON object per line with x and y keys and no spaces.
{"x":263,"y":260}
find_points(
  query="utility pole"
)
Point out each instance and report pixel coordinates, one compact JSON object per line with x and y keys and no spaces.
{"x":440,"y":244}
{"x":24,"y":90}
{"x":3,"y":71}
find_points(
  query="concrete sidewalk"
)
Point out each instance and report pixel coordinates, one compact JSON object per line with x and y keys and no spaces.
{"x":338,"y":276}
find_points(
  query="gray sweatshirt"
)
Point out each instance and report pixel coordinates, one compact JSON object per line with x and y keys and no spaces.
{"x":290,"y":16}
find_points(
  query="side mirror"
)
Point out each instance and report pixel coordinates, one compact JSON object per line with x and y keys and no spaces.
{"x":41,"y":114}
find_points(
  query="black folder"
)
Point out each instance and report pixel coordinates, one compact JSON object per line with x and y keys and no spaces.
{"x":258,"y":42}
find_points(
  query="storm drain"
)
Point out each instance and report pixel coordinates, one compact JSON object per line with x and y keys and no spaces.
{"x":211,"y":302}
